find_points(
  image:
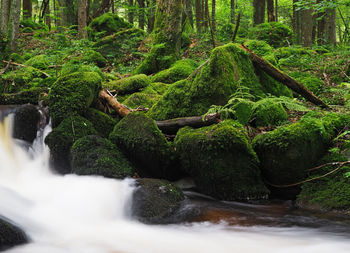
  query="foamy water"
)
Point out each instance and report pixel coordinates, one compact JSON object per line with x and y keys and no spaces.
{"x":86,"y":214}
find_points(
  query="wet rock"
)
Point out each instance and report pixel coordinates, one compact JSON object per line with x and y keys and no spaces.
{"x":26,"y":122}
{"x":10,"y":235}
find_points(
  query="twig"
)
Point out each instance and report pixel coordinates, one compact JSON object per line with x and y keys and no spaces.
{"x":6,"y":68}
{"x":194,"y":73}
{"x":236,"y":28}
{"x":24,"y":66}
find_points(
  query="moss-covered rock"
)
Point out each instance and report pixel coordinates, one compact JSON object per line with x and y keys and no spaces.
{"x":26,"y":123}
{"x":106,"y":24}
{"x":31,"y":96}
{"x":129,"y":85}
{"x":262,"y":49}
{"x":268,"y":112}
{"x":94,"y":155}
{"x":141,"y":99}
{"x":10,"y":235}
{"x":156,"y":201}
{"x":110,"y":48}
{"x":103,"y":123}
{"x":178,"y":71}
{"x":287,"y":152}
{"x":94,"y":57}
{"x":274,"y":33}
{"x":145,"y":146}
{"x":75,"y":65}
{"x":221,"y":161}
{"x":73,"y":94}
{"x":62,"y":138}
{"x":228,"y":68}
{"x":39,"y":61}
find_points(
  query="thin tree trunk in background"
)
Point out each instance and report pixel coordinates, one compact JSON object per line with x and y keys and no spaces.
{"x":199,"y":12}
{"x":187,"y":14}
{"x":82,"y":19}
{"x":270,"y":11}
{"x":4,"y":17}
{"x":15,"y":17}
{"x":321,"y":26}
{"x":47,"y":15}
{"x":276,"y":10}
{"x":113,"y":9}
{"x":331,"y":34}
{"x":306,"y":27}
{"x":233,"y":12}
{"x":259,"y":12}
{"x":205,"y":14}
{"x":297,"y":23}
{"x":151,"y":15}
{"x":27,"y":8}
{"x":141,"y":14}
{"x":131,"y":12}
{"x":213,"y":15}
{"x":103,"y":8}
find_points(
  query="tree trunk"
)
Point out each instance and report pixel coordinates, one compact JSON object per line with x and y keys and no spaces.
{"x":82,"y":19}
{"x":15,"y":17}
{"x":331,"y":27}
{"x":141,"y":14}
{"x":259,"y":12}
{"x":4,"y":17}
{"x":270,"y":11}
{"x":297,"y":23}
{"x":276,"y":10}
{"x":131,"y":12}
{"x":27,"y":8}
{"x":306,"y":27}
{"x":213,"y":15}
{"x":103,"y":8}
{"x":205,"y":14}
{"x":233,"y":12}
{"x":47,"y":15}
{"x":188,"y":13}
{"x":283,"y":78}
{"x":199,"y":15}
{"x":151,"y":15}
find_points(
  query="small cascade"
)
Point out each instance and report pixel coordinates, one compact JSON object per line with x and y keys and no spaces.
{"x":89,"y":214}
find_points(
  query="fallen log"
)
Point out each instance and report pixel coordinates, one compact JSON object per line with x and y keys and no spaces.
{"x":171,"y":126}
{"x":283,"y":78}
{"x":121,"y":109}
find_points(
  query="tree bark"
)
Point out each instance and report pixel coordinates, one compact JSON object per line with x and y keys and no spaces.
{"x":270,"y":11}
{"x":141,"y":14}
{"x":113,"y":102}
{"x":82,"y":19}
{"x":259,"y":12}
{"x":296,"y":23}
{"x":151,"y":15}
{"x":283,"y":78}
{"x":233,"y":11}
{"x":4,"y":17}
{"x":171,"y":126}
{"x":306,"y":27}
{"x":331,"y":35}
{"x":198,"y":15}
{"x":276,"y":10}
{"x":15,"y":17}
{"x":131,"y":12}
{"x":27,"y":8}
{"x":104,"y":6}
{"x":213,"y":15}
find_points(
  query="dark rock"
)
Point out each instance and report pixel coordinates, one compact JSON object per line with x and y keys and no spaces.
{"x":26,"y":122}
{"x":10,"y":235}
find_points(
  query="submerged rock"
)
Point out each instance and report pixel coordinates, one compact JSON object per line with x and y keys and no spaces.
{"x":157,"y":202}
{"x":221,"y":161}
{"x":26,"y":123}
{"x":94,"y":155}
{"x":10,"y":235}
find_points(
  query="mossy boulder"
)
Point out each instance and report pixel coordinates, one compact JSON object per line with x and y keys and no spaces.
{"x":94,"y":155}
{"x":221,"y":161}
{"x":110,"y":46}
{"x":262,"y":49}
{"x":26,"y":123}
{"x":268,"y":112}
{"x":32,"y":96}
{"x":129,"y":85}
{"x":106,"y":24}
{"x":73,"y":94}
{"x":10,"y":235}
{"x":156,"y":201}
{"x":287,"y":152}
{"x":228,"y":68}
{"x":145,"y":146}
{"x":178,"y":71}
{"x":274,"y":33}
{"x":103,"y":123}
{"x":94,"y":57}
{"x":61,"y":139}
{"x":141,"y":99}
{"x":39,"y":61}
{"x":75,"y":65}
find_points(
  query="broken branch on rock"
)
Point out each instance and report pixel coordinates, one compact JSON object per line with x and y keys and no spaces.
{"x":24,"y":66}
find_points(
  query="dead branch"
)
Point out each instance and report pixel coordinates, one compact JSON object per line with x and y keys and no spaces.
{"x":24,"y":66}
{"x":6,"y":68}
{"x":121,"y":109}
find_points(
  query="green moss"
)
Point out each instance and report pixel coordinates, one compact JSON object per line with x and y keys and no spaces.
{"x":103,"y":123}
{"x":141,"y":99}
{"x":74,"y":65}
{"x":267,"y":112}
{"x":94,"y":57}
{"x":129,"y":85}
{"x":228,"y":69}
{"x":156,"y":88}
{"x":178,"y":71}
{"x":31,"y":96}
{"x":262,"y":49}
{"x":310,"y":81}
{"x":30,"y":23}
{"x":145,"y":145}
{"x":94,"y":155}
{"x":73,"y":94}
{"x":16,"y":58}
{"x":62,"y":138}
{"x":39,"y":61}
{"x":285,"y":52}
{"x":106,"y":24}
{"x":274,"y":33}
{"x":207,"y":154}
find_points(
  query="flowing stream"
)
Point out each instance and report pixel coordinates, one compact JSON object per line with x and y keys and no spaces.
{"x":86,"y":214}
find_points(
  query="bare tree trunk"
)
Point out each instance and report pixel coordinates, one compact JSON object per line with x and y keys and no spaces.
{"x":213,"y":8}
{"x":206,"y":14}
{"x":199,"y":15}
{"x":270,"y":11}
{"x":4,"y":17}
{"x":15,"y":17}
{"x":276,"y":10}
{"x":27,"y":8}
{"x":233,"y":11}
{"x":331,"y":34}
{"x":306,"y":27}
{"x":82,"y":19}
{"x":297,"y":23}
{"x":188,"y":12}
{"x":141,"y":14}
{"x":259,"y":11}
{"x":151,"y":15}
{"x":104,"y":6}
{"x":131,"y":12}
{"x":47,"y":15}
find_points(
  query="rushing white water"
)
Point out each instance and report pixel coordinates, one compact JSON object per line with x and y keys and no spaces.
{"x":85,"y":214}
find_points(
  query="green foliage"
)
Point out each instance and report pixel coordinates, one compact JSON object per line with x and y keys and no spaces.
{"x":262,"y":49}
{"x":94,"y":155}
{"x":274,"y":33}
{"x":268,"y":112}
{"x":38,"y":61}
{"x":311,"y":82}
{"x":94,"y":57}
{"x":129,"y":85}
{"x":207,"y":153}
